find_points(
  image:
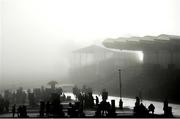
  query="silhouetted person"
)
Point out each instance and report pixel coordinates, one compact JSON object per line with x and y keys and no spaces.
{"x":56,"y":107}
{"x":151,"y":108}
{"x":13,"y":110}
{"x":112,"y":112}
{"x":70,"y":111}
{"x":90,"y":100}
{"x":60,"y":111}
{"x":104,"y":106}
{"x":81,"y":99}
{"x":167,"y":109}
{"x":98,"y":111}
{"x":97,"y":100}
{"x":6,"y":105}
{"x":24,"y":111}
{"x":120,"y":104}
{"x":137,"y":106}
{"x":73,"y":110}
{"x":137,"y":103}
{"x":1,"y":104}
{"x":19,"y":111}
{"x":47,"y":108}
{"x":42,"y":108}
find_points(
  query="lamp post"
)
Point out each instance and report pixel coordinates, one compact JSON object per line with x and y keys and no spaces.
{"x":120,"y":89}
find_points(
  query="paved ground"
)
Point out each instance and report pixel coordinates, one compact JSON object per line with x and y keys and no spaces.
{"x":88,"y":113}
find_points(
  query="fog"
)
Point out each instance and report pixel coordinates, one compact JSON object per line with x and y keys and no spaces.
{"x":37,"y":36}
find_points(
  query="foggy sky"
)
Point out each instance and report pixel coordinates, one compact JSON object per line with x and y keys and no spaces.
{"x":37,"y":36}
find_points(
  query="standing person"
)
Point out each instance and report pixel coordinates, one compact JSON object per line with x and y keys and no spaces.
{"x":97,"y":100}
{"x":120,"y":104}
{"x":13,"y":110}
{"x":165,"y":107}
{"x":42,"y":108}
{"x":6,"y":105}
{"x":19,"y":111}
{"x":47,"y":108}
{"x":24,"y":111}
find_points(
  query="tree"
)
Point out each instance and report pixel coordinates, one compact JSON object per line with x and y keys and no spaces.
{"x":52,"y":84}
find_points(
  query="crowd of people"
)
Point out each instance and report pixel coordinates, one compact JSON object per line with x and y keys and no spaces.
{"x":141,"y":111}
{"x":104,"y":108}
{"x":49,"y":103}
{"x":52,"y":108}
{"x":85,"y":96}
{"x":33,"y":97}
{"x":21,"y":111}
